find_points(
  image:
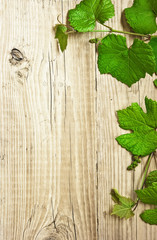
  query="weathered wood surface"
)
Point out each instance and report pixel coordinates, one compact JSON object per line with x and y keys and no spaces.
{"x":58,"y":154}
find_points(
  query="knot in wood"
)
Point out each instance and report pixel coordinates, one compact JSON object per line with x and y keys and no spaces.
{"x":17,"y":54}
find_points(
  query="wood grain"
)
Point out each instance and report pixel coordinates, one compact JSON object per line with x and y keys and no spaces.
{"x":58,"y":154}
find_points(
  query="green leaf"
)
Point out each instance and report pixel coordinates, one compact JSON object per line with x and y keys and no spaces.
{"x":83,"y":18}
{"x":123,"y":208}
{"x":142,"y":16}
{"x":152,"y":177}
{"x":143,"y":140}
{"x":122,"y":211}
{"x":150,"y":216}
{"x":153,"y":44}
{"x":126,"y":65}
{"x":155,"y":82}
{"x":61,"y":36}
{"x":148,"y":195}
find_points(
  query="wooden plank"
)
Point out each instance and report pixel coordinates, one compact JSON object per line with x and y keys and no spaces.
{"x":58,"y":154}
{"x":48,"y":166}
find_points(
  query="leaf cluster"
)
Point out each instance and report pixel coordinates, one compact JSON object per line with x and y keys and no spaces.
{"x":124,"y":206}
{"x":127,"y":65}
{"x":148,"y":195}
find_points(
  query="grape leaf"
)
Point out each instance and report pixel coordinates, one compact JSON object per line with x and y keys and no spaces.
{"x":153,"y":44}
{"x":83,"y":18}
{"x":143,"y":140}
{"x":123,"y":206}
{"x":122,"y":211}
{"x":152,"y":177}
{"x":142,"y":16}
{"x":148,"y":195}
{"x":126,"y":65}
{"x":149,"y":216}
{"x":61,"y":36}
{"x":155,"y":82}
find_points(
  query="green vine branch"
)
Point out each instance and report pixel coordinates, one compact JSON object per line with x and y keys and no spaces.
{"x":146,"y":170}
{"x":144,"y":178}
{"x":111,"y":30}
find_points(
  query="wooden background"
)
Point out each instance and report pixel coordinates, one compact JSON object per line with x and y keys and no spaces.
{"x":58,"y":154}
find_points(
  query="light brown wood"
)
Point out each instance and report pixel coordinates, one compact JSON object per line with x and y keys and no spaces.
{"x":58,"y":154}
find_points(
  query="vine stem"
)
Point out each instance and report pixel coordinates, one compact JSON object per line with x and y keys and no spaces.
{"x":146,"y":170}
{"x":116,"y":31}
{"x":144,"y":178}
{"x":110,"y":30}
{"x":124,"y":32}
